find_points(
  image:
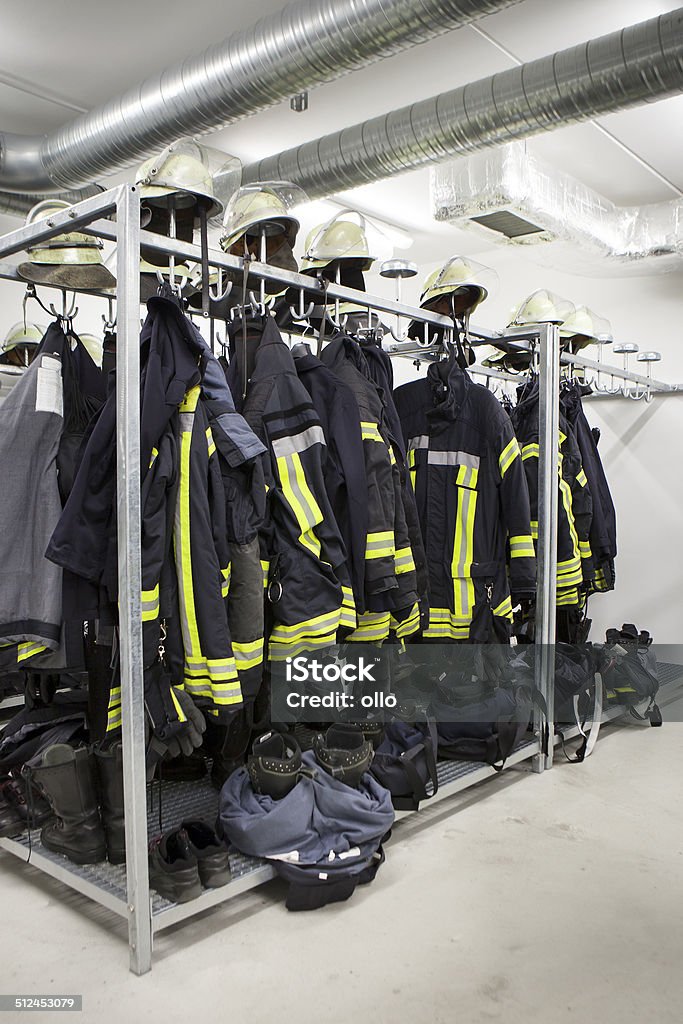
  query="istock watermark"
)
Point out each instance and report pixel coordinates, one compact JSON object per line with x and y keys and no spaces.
{"x":306,"y":670}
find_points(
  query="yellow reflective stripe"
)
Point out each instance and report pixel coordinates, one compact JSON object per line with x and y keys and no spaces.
{"x":411,"y":466}
{"x":380,"y":545}
{"x":565,"y":597}
{"x":522,"y":546}
{"x":318,"y":624}
{"x":265,"y":569}
{"x":530,"y":451}
{"x":392,"y":457}
{"x":444,"y":625}
{"x":348,"y":609}
{"x":404,"y":561}
{"x":298,"y":495}
{"x":370,"y":432}
{"x":188,"y":619}
{"x":565,"y":491}
{"x":585,"y":548}
{"x":114,"y":709}
{"x":176,"y":703}
{"x":225,"y":585}
{"x":248,"y":654}
{"x":210,"y":441}
{"x":504,"y":609}
{"x":155,"y":452}
{"x":407,"y":626}
{"x":371,"y":626}
{"x":534,"y":529}
{"x":279,"y":651}
{"x":463,"y":553}
{"x":28,"y":649}
{"x":508,"y":455}
{"x":467,"y":476}
{"x":581,"y":478}
{"x":150,"y":604}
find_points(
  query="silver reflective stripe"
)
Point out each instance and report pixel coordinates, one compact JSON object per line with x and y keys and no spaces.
{"x":418,"y":442}
{"x":453,"y":459}
{"x":186,"y":422}
{"x":301,"y":442}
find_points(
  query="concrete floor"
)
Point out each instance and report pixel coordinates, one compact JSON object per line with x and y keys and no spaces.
{"x":547,"y":898}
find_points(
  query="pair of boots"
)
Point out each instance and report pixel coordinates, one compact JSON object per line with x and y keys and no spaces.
{"x":85,"y":790}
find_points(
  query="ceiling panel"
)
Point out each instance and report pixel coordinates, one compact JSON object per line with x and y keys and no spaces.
{"x":654,"y":132}
{"x":539,"y":27}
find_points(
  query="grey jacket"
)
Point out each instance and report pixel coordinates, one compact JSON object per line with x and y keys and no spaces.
{"x":31,"y":419}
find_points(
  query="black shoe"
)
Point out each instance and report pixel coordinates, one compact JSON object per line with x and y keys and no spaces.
{"x":11,"y":822}
{"x":344,"y":753}
{"x":274,"y":764}
{"x":211,"y":854}
{"x":173,"y":870}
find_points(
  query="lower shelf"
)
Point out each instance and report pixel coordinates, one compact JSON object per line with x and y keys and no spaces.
{"x":172,"y":802}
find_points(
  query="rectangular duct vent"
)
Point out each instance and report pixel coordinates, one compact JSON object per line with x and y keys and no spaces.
{"x":508,"y":224}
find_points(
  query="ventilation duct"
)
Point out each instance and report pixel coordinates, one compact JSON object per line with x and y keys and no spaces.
{"x":18,"y":204}
{"x":635,"y":65}
{"x":491,"y":192}
{"x":303,"y":45}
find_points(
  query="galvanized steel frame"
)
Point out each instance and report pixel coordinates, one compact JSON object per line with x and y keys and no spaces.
{"x":123,"y":201}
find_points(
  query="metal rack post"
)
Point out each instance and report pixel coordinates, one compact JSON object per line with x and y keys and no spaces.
{"x":546,"y":549}
{"x":130,"y":577}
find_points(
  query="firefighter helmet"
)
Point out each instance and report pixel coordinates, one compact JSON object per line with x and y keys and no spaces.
{"x":459,"y":275}
{"x":181,"y":170}
{"x":339,"y":238}
{"x":71,"y":260}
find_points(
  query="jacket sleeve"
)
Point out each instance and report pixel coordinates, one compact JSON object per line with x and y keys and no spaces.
{"x":515,"y":512}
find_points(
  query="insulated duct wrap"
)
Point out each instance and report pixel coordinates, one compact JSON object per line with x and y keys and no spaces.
{"x":18,"y":204}
{"x":490,"y":191}
{"x":636,"y":65}
{"x":303,"y":45}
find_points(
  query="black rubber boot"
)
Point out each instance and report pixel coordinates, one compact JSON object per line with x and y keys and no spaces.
{"x":67,"y":777}
{"x":110,"y":775}
{"x":227,"y":746}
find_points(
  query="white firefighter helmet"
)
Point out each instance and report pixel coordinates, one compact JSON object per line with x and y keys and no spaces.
{"x":22,"y":334}
{"x":342,"y":237}
{"x":181,"y":170}
{"x":459,"y":275}
{"x":71,"y":260}
{"x":541,"y":307}
{"x":263,"y":206}
{"x":584,"y":323}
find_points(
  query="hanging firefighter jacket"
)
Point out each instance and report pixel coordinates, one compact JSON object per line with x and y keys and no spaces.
{"x":185,"y":549}
{"x":345,"y":480}
{"x":308,"y":583}
{"x":603,"y":527}
{"x":390,"y":567}
{"x":473,"y":504}
{"x":37,"y":417}
{"x":574,"y":561}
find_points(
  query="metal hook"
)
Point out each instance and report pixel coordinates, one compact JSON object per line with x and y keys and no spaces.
{"x":298,"y":314}
{"x":220,"y":294}
{"x":109,"y":320}
{"x":262,"y":305}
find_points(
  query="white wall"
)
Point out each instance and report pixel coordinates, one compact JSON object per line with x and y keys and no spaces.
{"x":640,"y":446}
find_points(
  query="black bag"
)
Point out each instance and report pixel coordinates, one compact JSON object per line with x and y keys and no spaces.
{"x":487,"y":731}
{"x":629,"y":672}
{"x":405,"y":762}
